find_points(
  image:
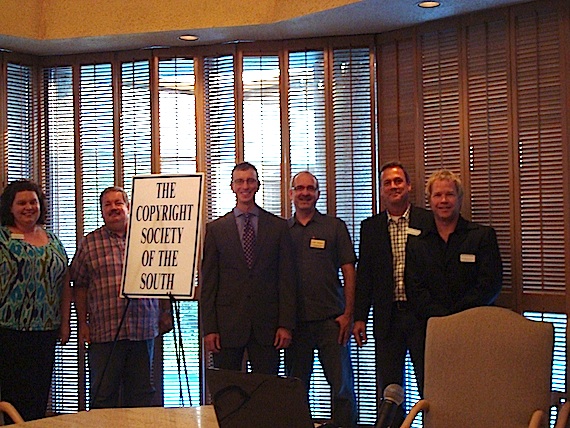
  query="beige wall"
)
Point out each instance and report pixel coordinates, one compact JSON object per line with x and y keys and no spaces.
{"x":63,"y":19}
{"x":21,"y":18}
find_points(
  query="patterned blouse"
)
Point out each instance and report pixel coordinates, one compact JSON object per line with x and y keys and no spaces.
{"x":31,"y":282}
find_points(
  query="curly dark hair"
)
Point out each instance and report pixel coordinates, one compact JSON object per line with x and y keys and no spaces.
{"x":9,"y":194}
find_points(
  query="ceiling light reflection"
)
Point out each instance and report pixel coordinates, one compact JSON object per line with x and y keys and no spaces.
{"x":428,"y":4}
{"x":188,"y":38}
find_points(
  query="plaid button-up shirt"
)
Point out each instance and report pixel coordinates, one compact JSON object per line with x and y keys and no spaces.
{"x":98,"y":265}
{"x":398,"y":229}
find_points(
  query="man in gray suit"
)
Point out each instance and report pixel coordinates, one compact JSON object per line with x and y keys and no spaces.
{"x":248,"y":292}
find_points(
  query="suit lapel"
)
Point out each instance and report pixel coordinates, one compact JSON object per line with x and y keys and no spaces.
{"x":384,"y":225}
{"x":415,"y":221}
{"x":384,"y":238}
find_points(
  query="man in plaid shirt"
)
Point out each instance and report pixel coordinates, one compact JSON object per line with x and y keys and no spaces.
{"x":120,"y":355}
{"x":380,"y":281}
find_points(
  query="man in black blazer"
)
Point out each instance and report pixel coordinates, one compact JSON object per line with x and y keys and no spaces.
{"x":247,"y":301}
{"x":457,"y":264}
{"x":380,"y":280}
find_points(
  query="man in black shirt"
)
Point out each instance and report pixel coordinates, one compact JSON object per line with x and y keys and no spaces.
{"x":322,"y":245}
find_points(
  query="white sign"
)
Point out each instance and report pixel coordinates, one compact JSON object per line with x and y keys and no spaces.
{"x":163,"y":238}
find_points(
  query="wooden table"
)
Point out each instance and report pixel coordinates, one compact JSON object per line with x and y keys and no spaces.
{"x":151,"y":417}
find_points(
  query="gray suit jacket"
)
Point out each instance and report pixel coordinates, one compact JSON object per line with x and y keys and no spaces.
{"x":235,"y":300}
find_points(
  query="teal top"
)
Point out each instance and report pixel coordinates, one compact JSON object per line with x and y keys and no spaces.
{"x":31,"y":282}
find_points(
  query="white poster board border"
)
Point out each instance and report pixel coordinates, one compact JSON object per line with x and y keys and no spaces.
{"x":163,"y":238}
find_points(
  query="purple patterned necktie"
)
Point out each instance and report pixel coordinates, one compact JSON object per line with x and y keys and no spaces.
{"x":248,"y":240}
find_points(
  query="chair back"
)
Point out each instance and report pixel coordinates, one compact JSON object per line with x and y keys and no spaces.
{"x":487,"y":367}
{"x":11,"y":411}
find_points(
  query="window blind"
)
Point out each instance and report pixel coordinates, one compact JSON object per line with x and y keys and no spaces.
{"x":540,"y":151}
{"x":177,"y":110}
{"x":306,"y":114}
{"x":262,"y":126}
{"x":135,"y":121}
{"x":440,"y":94}
{"x":397,"y":106}
{"x":220,"y":125}
{"x":97,"y":148}
{"x":489,"y":135}
{"x":19,"y":150}
{"x":354,"y":149}
{"x":60,"y":178}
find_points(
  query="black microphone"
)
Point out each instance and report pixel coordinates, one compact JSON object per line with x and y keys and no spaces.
{"x":393,"y":397}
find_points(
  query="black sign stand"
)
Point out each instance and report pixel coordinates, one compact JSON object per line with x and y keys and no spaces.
{"x":179,"y":348}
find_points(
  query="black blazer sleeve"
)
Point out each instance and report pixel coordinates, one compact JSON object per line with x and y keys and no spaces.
{"x":364,"y":276}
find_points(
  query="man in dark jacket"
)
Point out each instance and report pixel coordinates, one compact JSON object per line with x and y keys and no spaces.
{"x":380,"y":280}
{"x":456,"y":265}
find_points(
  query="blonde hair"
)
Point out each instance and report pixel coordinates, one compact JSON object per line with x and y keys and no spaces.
{"x":445,"y":174}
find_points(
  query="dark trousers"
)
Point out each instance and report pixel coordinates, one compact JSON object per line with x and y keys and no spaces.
{"x":335,"y":359}
{"x":407,"y":332}
{"x":263,"y":359}
{"x":26,"y":365}
{"x":124,"y":368}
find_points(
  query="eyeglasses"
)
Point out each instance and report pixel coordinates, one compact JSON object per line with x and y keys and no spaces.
{"x":303,"y":188}
{"x":241,"y":181}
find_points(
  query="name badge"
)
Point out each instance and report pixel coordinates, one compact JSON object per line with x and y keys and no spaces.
{"x":17,"y":236}
{"x":317,"y":243}
{"x":414,"y":232}
{"x":467,"y":258}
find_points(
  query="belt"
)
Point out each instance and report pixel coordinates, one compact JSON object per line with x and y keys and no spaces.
{"x":401,"y":305}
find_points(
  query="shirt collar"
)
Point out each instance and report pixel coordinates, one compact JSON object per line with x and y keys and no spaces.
{"x":115,"y":234}
{"x":405,"y":216}
{"x":316,"y":218}
{"x":254,"y":211}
